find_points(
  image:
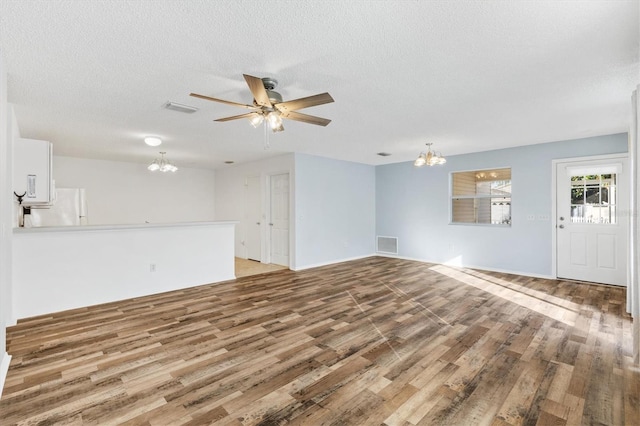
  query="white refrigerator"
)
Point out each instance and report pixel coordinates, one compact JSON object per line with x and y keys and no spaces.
{"x":69,"y":208}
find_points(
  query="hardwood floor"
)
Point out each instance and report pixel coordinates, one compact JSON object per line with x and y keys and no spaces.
{"x":374,"y":341}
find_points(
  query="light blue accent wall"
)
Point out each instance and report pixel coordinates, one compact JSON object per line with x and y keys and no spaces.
{"x":413,"y":204}
{"x":335,"y":210}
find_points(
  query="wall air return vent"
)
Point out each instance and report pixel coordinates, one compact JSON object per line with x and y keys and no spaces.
{"x":174,"y":106}
{"x":387,"y":245}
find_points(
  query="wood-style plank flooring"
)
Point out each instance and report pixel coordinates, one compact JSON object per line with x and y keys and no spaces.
{"x":373,"y":341}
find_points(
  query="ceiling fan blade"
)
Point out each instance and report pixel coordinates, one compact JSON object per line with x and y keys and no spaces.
{"x":305,"y":118}
{"x":309,"y":101}
{"x":236,"y":117}
{"x":208,"y":98}
{"x":257,"y":89}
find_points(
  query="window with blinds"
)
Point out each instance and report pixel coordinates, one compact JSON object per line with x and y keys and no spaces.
{"x":481,"y":197}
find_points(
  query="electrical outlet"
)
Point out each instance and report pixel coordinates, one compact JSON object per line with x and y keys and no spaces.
{"x":152,"y":267}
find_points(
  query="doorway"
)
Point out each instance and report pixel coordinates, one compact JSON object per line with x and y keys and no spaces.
{"x":592,"y":203}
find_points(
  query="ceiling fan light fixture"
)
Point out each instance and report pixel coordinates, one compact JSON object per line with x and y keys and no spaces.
{"x":275,"y":121}
{"x":280,"y":128}
{"x":256,"y":120}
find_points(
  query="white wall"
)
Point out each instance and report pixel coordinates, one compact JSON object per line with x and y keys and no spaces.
{"x":123,"y":193}
{"x":6,"y":205}
{"x":332,"y":206}
{"x":230,"y":201}
{"x":56,"y":270}
{"x":335,"y":210}
{"x":413,"y":205}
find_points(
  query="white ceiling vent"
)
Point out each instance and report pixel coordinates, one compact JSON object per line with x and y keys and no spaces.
{"x":174,"y":106}
{"x":387,"y":245}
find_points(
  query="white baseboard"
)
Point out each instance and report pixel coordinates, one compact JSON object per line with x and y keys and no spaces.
{"x":4,"y":369}
{"x":331,"y":262}
{"x":480,"y":268}
{"x":415,"y":259}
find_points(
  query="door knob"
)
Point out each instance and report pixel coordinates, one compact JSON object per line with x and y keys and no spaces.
{"x":561,"y":226}
{"x":561,"y":218}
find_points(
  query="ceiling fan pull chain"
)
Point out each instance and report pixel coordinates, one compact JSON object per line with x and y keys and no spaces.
{"x":266,"y":136}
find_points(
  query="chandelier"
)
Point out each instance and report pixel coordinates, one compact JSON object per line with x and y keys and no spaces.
{"x":431,"y":158}
{"x":162,"y":164}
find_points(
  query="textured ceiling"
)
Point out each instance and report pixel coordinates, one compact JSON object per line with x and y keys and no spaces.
{"x":92,"y":76}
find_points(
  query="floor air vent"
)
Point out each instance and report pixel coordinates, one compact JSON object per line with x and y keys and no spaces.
{"x":387,"y":245}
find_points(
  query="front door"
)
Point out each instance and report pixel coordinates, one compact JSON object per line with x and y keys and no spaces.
{"x":592,"y":200}
{"x":279,"y":219}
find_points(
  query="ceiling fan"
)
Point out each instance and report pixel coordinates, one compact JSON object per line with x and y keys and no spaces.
{"x":268,"y":105}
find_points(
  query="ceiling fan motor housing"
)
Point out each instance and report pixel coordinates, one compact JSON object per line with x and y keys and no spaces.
{"x":269,"y":85}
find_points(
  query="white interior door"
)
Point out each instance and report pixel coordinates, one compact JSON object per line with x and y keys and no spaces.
{"x":279,"y":219}
{"x":253,"y":240}
{"x":592,"y":201}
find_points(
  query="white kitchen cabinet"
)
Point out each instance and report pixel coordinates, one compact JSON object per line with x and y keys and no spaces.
{"x":32,"y":171}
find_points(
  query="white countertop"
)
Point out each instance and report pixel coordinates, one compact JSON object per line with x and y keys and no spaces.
{"x":82,"y":228}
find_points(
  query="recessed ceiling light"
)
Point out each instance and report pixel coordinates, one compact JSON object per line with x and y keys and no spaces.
{"x":152,"y":141}
{"x":384,"y":154}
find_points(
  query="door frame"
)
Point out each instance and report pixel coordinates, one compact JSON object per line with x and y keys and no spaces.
{"x":267,"y":211}
{"x":554,"y":202}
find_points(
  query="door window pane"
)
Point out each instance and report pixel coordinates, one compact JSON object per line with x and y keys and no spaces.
{"x":577,"y":196}
{"x":593,"y":199}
